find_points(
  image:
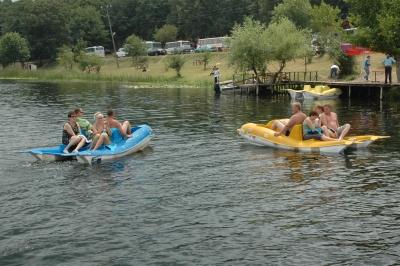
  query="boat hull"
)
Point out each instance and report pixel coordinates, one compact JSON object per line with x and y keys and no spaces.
{"x":141,"y":137}
{"x":263,"y":135}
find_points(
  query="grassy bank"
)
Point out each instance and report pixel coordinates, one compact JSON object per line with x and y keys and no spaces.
{"x":193,"y":73}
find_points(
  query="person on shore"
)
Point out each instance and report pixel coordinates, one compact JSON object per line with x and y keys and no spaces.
{"x":335,"y":71}
{"x":216,"y":75}
{"x":124,"y":128}
{"x":84,"y":124}
{"x":312,"y":128}
{"x":329,"y":119}
{"x":71,"y":134}
{"x":388,"y":62}
{"x":101,"y":131}
{"x":366,"y":66}
{"x":283,"y":127}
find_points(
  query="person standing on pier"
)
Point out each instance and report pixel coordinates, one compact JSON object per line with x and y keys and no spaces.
{"x":367,"y":65}
{"x":216,"y":74}
{"x":388,"y":62}
{"x":335,"y":71}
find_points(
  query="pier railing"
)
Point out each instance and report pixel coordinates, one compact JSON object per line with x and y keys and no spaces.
{"x":274,"y":78}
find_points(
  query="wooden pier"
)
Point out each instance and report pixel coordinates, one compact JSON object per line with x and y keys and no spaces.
{"x":248,"y":84}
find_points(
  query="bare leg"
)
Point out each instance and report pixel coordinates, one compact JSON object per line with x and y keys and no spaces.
{"x":72,"y":142}
{"x":99,"y":142}
{"x":325,"y":138}
{"x":80,"y":144}
{"x":345,"y":131}
{"x":277,"y":125}
{"x":95,"y":139}
{"x":126,"y":127}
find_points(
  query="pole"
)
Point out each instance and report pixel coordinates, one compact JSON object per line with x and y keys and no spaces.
{"x":112,"y":35}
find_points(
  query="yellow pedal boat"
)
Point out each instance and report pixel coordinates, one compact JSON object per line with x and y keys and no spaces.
{"x":319,"y":92}
{"x":263,"y":135}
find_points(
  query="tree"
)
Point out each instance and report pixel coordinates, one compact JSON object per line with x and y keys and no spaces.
{"x":166,"y":33}
{"x":176,"y":62}
{"x":66,"y":57}
{"x":44,"y":23}
{"x":13,"y":48}
{"x":378,"y":26}
{"x":135,"y":47}
{"x":89,"y":62}
{"x":249,"y":47}
{"x":287,"y":43}
{"x":87,"y":25}
{"x":325,"y":21}
{"x":298,"y":11}
{"x":205,"y":58}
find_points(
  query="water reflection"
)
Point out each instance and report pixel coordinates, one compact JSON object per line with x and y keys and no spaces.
{"x":199,"y":186}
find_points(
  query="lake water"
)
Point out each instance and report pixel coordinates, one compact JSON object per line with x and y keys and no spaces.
{"x":199,"y":195}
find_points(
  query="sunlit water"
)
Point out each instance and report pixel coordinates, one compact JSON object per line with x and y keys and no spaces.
{"x":199,"y":195}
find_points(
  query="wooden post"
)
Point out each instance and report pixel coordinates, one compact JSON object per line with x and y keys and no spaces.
{"x":375,"y":76}
{"x":233,"y":83}
{"x":381,"y":94}
{"x":349,"y":92}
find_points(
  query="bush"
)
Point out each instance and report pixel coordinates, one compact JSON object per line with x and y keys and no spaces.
{"x":66,"y":57}
{"x":176,"y":62}
{"x":135,"y":47}
{"x":205,"y":57}
{"x":166,"y":33}
{"x":89,"y":63}
{"x":13,"y":48}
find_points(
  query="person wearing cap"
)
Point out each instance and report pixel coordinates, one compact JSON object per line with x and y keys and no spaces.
{"x":84,"y":124}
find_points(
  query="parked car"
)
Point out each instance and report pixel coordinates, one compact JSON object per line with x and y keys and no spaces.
{"x":155,"y":48}
{"x":178,"y":47}
{"x":95,"y":50}
{"x":206,"y":48}
{"x":122,"y":52}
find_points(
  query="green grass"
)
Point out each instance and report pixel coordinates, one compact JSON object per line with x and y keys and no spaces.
{"x":158,"y":75}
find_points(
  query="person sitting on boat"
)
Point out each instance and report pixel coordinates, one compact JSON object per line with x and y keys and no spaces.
{"x":312,"y":128}
{"x":319,"y":109}
{"x":330,"y":120}
{"x":124,"y":128}
{"x":284,"y":127}
{"x":101,"y":131}
{"x":71,"y":134}
{"x":84,"y":124}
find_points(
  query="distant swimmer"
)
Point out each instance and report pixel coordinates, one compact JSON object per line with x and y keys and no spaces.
{"x":330,"y":120}
{"x":283,"y":127}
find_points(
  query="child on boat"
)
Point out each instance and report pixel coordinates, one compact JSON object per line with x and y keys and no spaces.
{"x":312,"y":128}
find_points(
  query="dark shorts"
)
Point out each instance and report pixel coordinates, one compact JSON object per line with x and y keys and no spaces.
{"x":312,"y":136}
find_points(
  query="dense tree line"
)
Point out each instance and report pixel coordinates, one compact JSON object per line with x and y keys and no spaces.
{"x":49,"y":24}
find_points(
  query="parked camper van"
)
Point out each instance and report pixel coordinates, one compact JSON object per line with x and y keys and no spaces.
{"x":178,"y":47}
{"x":154,"y":48}
{"x":96,"y":50}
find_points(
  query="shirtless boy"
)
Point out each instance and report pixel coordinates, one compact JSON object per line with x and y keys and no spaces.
{"x":283,"y":127}
{"x":330,"y":120}
{"x":124,"y":128}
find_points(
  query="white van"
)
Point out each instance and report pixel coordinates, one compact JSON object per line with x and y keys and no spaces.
{"x":96,"y":50}
{"x":212,"y":44}
{"x":178,"y":47}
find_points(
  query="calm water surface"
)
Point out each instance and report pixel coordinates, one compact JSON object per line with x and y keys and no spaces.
{"x":199,"y":195}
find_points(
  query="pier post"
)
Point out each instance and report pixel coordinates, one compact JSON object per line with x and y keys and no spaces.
{"x":349,"y":91}
{"x":381,"y":94}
